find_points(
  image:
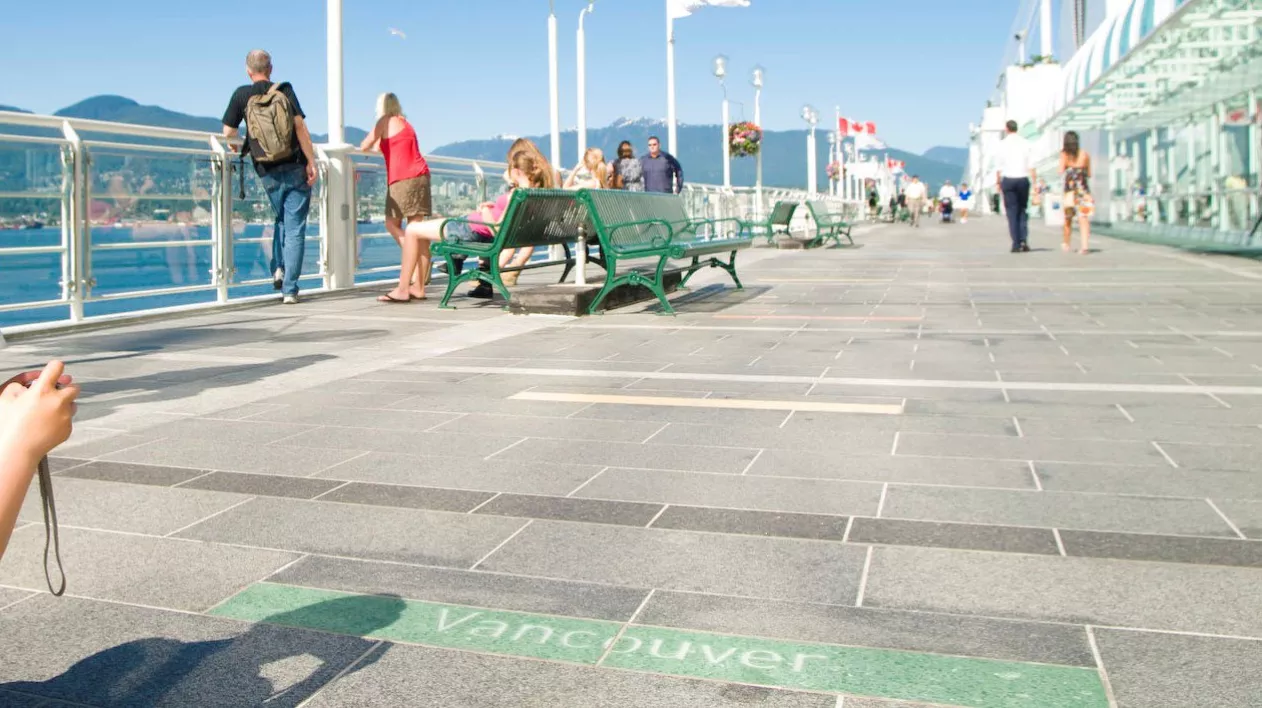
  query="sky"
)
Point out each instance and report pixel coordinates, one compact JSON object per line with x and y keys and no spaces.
{"x":920,"y":69}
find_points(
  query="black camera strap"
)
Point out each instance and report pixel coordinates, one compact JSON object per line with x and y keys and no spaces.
{"x":51,"y":538}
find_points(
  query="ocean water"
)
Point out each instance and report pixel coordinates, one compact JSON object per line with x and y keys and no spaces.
{"x":33,"y":278}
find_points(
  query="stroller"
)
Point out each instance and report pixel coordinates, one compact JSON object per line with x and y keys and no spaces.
{"x":946,"y":206}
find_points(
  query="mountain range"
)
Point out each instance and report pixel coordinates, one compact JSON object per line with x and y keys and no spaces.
{"x":784,"y":152}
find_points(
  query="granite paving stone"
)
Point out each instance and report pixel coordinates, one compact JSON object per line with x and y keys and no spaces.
{"x":1151,"y":670}
{"x":524,"y":476}
{"x":1145,"y":595}
{"x":1246,"y":515}
{"x":1216,"y":457}
{"x":1161,"y":432}
{"x":1171,"y":549}
{"x":538,"y":427}
{"x":8,"y":596}
{"x":287,"y":460}
{"x":98,"y":653}
{"x":1049,"y":449}
{"x":408,"y":497}
{"x":127,"y":507}
{"x":425,"y":676}
{"x":737,"y":492}
{"x":594,"y":511}
{"x":131,"y":473}
{"x":817,"y":438}
{"x":899,"y":532}
{"x":694,"y":457}
{"x":941,"y":634}
{"x":680,"y":560}
{"x":159,"y":572}
{"x":753,"y":523}
{"x":1152,"y":481}
{"x":462,"y":587}
{"x":887,"y":468}
{"x":1056,"y":509}
{"x":331,"y":415}
{"x":371,"y":533}
{"x":244,"y":433}
{"x":402,"y":442}
{"x":270,"y":485}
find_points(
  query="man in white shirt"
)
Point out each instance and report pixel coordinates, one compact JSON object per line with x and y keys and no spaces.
{"x":916,"y":194}
{"x":1016,"y":174}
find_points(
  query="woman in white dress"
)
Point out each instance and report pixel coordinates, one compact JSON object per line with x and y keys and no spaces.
{"x":965,"y":202}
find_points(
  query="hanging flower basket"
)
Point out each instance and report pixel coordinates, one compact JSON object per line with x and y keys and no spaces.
{"x":745,"y":139}
{"x":834,"y":171}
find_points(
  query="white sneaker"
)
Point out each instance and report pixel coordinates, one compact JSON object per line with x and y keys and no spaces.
{"x":278,"y":279}
{"x":289,"y":300}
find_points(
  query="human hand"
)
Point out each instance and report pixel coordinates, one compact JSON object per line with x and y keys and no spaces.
{"x":312,"y":173}
{"x":27,"y":378}
{"x":35,"y":420}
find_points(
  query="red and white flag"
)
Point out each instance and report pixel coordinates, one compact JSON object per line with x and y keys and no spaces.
{"x":871,"y":129}
{"x":858,"y":128}
{"x":843,"y":127}
{"x":1237,"y":117}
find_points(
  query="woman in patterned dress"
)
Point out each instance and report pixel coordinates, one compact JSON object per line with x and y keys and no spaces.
{"x":1075,"y":164}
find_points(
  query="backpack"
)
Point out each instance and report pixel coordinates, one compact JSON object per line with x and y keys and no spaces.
{"x":269,"y":124}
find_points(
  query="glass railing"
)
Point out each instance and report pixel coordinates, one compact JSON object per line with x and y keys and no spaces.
{"x":106,"y":219}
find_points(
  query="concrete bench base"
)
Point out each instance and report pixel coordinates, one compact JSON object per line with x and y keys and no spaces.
{"x":574,"y":300}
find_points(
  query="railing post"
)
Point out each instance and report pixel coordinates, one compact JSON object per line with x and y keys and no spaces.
{"x":223,"y":267}
{"x":76,"y":226}
{"x":337,"y":223}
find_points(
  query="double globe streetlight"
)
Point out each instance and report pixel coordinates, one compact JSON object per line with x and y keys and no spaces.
{"x":756,"y":80}
{"x":811,"y":116}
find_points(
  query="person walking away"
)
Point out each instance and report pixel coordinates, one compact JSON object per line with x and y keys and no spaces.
{"x":662,"y":172}
{"x":965,"y":202}
{"x":1016,"y":174}
{"x":916,"y":193}
{"x":408,"y":194}
{"x":628,"y":173}
{"x":279,"y":144}
{"x":591,"y":173}
{"x":947,"y":196}
{"x":1075,"y":165}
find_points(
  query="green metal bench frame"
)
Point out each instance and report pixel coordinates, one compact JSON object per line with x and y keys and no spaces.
{"x":645,"y":225}
{"x":828,"y":225}
{"x":778,"y":222}
{"x":534,"y":217}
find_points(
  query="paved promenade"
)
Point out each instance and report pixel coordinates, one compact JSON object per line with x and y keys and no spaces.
{"x":924,"y":471}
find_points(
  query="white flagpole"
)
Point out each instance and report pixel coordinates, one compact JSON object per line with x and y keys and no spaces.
{"x":671,"y":133}
{"x":554,"y":93}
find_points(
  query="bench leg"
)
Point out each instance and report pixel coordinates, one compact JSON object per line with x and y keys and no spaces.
{"x":692,"y":270}
{"x":657,"y":286}
{"x":730,"y":267}
{"x":453,"y":282}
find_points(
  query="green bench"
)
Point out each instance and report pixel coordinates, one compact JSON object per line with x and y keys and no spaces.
{"x":534,"y":217}
{"x":829,"y":225}
{"x":656,"y":227}
{"x":777,"y":223}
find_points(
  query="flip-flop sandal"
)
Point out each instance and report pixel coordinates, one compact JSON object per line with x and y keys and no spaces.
{"x":393,"y":300}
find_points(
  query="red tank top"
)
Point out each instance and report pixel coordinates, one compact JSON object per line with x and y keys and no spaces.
{"x":403,"y":156}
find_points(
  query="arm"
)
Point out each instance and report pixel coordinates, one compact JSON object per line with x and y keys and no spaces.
{"x":233,"y":115}
{"x":569,"y":181}
{"x":1086,"y":164}
{"x":677,"y":172}
{"x":32,"y":422}
{"x":304,"y":141}
{"x":373,"y":140}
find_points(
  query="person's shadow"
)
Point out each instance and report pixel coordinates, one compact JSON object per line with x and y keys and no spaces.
{"x":230,"y":672}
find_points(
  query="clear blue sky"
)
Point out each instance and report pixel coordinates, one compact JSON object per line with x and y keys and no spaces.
{"x":921,"y":69}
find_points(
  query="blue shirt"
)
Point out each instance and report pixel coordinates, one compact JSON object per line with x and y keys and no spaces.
{"x":662,"y":173}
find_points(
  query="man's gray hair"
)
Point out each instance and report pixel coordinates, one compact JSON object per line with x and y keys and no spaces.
{"x":259,"y":62}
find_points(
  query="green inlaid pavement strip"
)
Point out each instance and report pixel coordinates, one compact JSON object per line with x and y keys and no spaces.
{"x":884,"y":673}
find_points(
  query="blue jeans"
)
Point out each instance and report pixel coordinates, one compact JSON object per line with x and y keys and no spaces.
{"x":1016,"y":196}
{"x":290,"y":195}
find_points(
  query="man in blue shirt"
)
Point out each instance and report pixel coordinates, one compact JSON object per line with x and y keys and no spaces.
{"x":662,"y":172}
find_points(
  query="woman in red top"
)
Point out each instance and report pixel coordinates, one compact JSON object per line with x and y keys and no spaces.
{"x":407,"y":196}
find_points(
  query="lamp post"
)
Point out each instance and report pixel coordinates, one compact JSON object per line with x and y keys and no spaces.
{"x":720,"y":73}
{"x":811,"y":116}
{"x":582,"y":80}
{"x":756,"y":79}
{"x":554,"y":93}
{"x":832,"y":157}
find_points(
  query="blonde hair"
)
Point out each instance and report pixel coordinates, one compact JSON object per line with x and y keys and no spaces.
{"x":594,"y":160}
{"x":526,"y":156}
{"x":388,"y":106}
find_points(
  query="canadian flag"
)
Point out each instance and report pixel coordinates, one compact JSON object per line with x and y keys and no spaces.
{"x":896,"y":166}
{"x":843,"y":127}
{"x":870,"y":128}
{"x":858,"y":128}
{"x":683,"y":8}
{"x":1237,"y":117}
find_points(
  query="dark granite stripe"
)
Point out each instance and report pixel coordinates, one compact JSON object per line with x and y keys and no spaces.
{"x":60,"y":464}
{"x":1170,"y":549}
{"x":269,"y":485}
{"x":753,"y":523}
{"x":408,"y":497}
{"x":563,"y":509}
{"x":899,"y":532}
{"x":152,"y":475}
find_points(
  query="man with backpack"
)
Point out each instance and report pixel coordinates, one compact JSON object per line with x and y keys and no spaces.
{"x":280,"y":146}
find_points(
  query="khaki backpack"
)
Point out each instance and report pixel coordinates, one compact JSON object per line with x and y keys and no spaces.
{"x":269,"y":123}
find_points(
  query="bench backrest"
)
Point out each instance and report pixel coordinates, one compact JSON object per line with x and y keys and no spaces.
{"x":542,"y":217}
{"x":636,"y":221}
{"x":821,"y":211}
{"x":782,"y":214}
